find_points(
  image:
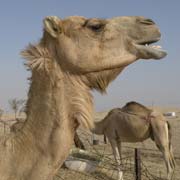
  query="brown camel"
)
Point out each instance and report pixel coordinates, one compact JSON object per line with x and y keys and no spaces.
{"x":74,"y":55}
{"x":136,"y":123}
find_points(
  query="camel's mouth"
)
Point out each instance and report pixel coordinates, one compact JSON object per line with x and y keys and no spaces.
{"x":148,"y":51}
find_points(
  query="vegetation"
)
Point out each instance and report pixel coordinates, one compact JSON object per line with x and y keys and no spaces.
{"x":1,"y":113}
{"x":17,"y":105}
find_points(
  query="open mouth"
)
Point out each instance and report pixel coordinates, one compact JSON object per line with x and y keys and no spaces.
{"x":148,"y":51}
{"x":148,"y":44}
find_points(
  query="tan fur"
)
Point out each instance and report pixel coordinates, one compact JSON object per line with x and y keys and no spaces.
{"x":72,"y":57}
{"x":129,"y":124}
{"x":19,"y":124}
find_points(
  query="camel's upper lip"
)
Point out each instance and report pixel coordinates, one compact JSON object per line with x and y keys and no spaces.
{"x":150,"y":41}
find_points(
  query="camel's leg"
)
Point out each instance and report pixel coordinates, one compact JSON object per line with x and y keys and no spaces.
{"x":162,"y":141}
{"x":119,"y":149}
{"x":172,"y":156}
{"x":173,"y":163}
{"x":166,"y":157}
{"x":116,"y":157}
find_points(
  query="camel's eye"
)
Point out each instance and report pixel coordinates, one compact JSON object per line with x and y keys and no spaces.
{"x":55,"y":29}
{"x":96,"y":27}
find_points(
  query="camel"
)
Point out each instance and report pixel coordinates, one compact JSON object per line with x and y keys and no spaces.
{"x":136,"y":123}
{"x":74,"y":56}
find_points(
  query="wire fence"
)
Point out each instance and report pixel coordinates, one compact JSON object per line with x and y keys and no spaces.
{"x":106,"y":168}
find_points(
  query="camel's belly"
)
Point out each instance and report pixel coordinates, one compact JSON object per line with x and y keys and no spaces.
{"x":134,"y":139}
{"x":134,"y":134}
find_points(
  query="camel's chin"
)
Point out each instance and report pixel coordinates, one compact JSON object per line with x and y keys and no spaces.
{"x":150,"y":52}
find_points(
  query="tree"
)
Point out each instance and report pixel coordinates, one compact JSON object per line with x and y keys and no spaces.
{"x":16,"y":105}
{"x":1,"y":113}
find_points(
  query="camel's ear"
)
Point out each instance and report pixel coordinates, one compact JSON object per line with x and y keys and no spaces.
{"x":53,"y":25}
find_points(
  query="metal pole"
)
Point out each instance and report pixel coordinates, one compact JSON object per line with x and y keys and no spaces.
{"x":137,"y":164}
{"x":4,"y":128}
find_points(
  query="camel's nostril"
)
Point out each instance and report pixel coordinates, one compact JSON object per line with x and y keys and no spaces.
{"x":147,"y":22}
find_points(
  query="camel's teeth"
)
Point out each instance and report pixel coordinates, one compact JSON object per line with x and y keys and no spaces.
{"x":156,"y":46}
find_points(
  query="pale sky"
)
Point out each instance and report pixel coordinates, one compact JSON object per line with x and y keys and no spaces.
{"x":145,"y":81}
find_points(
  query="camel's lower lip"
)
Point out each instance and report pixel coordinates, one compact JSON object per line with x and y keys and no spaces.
{"x":151,"y":52}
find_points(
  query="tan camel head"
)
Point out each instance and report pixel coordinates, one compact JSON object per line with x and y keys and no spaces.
{"x":84,"y":40}
{"x":100,"y":48}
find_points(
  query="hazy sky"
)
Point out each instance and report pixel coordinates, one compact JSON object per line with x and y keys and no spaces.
{"x":145,"y":81}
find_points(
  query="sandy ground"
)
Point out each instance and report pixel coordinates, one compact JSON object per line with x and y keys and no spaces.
{"x":152,"y":161}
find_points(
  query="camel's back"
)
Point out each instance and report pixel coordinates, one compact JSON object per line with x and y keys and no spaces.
{"x":136,"y":108}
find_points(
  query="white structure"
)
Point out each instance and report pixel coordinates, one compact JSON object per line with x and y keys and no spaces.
{"x":170,"y":114}
{"x":81,"y":165}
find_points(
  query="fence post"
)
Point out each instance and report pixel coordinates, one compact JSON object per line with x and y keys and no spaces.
{"x":137,"y":164}
{"x":4,"y":127}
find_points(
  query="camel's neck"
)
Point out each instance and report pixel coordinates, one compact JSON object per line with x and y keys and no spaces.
{"x":56,"y":99}
{"x":45,"y":106}
{"x":99,"y":127}
{"x":60,"y":104}
{"x":53,"y":110}
{"x":49,"y":128}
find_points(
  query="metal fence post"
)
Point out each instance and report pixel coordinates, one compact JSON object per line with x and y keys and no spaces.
{"x":137,"y":164}
{"x":4,"y":127}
